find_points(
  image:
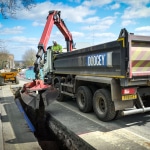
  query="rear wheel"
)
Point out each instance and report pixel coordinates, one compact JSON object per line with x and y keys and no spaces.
{"x":93,"y":89}
{"x":103,"y":105}
{"x":61,"y":96}
{"x":118,"y":114}
{"x":84,"y":99}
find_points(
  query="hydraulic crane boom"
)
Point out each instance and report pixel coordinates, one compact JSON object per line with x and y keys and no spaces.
{"x":52,"y":18}
{"x":38,"y":87}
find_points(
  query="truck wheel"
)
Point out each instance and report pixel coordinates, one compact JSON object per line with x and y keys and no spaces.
{"x":16,"y":80}
{"x":1,"y":81}
{"x":84,"y":99}
{"x":103,"y":105}
{"x":118,"y":114}
{"x":60,"y":97}
{"x":93,"y":89}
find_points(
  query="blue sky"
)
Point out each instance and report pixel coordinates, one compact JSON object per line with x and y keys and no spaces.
{"x":91,"y":22}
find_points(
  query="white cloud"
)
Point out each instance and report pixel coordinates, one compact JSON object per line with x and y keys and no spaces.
{"x":142,"y":33}
{"x":69,"y":13}
{"x":98,"y":3}
{"x":141,"y":12}
{"x":135,"y":3}
{"x":14,"y":30}
{"x":115,"y":6}
{"x":58,"y":36}
{"x":92,"y":20}
{"x":127,"y":22}
{"x":76,"y":1}
{"x":136,"y":9}
{"x":101,"y":25}
{"x":145,"y":29}
{"x":76,"y":14}
{"x":99,"y":38}
{"x":117,"y":14}
{"x":40,"y":12}
{"x":23,"y":39}
{"x":36,"y":23}
{"x":108,"y":35}
{"x":77,"y":34}
{"x":18,"y":45}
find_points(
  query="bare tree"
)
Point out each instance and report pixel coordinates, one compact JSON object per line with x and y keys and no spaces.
{"x":9,"y":7}
{"x":29,"y":57}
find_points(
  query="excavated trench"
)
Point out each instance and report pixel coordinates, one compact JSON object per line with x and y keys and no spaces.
{"x":50,"y":133}
{"x":46,"y":137}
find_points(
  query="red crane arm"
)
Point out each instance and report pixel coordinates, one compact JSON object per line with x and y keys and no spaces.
{"x":46,"y":32}
{"x":68,"y":36}
{"x":54,"y":18}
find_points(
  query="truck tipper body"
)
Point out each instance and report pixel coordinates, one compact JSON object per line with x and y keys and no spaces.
{"x":113,"y":78}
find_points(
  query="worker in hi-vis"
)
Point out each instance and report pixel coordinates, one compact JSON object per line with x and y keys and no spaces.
{"x":56,"y":47}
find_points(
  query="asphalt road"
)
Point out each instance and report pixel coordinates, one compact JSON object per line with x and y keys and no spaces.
{"x":129,"y":132}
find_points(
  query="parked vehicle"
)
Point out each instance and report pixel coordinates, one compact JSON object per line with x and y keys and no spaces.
{"x":8,"y":74}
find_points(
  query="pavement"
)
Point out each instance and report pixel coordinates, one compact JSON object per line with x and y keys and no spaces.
{"x":14,"y":131}
{"x":1,"y":135}
{"x":100,"y":135}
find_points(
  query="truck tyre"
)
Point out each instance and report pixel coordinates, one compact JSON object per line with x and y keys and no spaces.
{"x":84,"y":99}
{"x":16,"y":80}
{"x":93,"y":89}
{"x":118,"y":114}
{"x":103,"y":105}
{"x":60,"y":97}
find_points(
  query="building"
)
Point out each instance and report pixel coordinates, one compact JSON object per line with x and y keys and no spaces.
{"x":11,"y":60}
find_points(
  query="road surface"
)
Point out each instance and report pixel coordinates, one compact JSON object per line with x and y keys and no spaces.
{"x":129,"y":132}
